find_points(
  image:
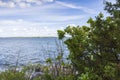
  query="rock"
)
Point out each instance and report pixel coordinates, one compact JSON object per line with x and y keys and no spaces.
{"x":36,"y":74}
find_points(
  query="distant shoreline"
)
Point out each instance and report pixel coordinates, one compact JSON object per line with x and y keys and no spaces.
{"x":28,"y":37}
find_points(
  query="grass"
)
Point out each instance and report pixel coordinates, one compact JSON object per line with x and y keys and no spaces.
{"x":12,"y":74}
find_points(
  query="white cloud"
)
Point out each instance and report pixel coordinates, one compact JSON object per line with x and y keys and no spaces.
{"x":72,"y":25}
{"x":20,"y":28}
{"x":1,"y":30}
{"x":2,"y":4}
{"x":8,"y":4}
{"x":48,"y":20}
{"x":85,"y":9}
{"x":112,"y":1}
{"x":67,"y":5}
{"x":60,"y":18}
{"x":43,"y":9}
{"x":22,"y":3}
{"x":32,"y":1}
{"x":17,"y":0}
{"x":48,"y":0}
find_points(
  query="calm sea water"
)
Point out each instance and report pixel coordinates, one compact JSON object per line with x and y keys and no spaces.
{"x":28,"y":50}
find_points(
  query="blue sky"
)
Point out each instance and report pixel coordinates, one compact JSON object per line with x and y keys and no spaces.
{"x":28,"y":18}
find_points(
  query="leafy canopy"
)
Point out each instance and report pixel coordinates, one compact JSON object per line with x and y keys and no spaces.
{"x":97,"y":46}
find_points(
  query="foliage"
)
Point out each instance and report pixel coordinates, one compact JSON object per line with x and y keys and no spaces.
{"x":11,"y":75}
{"x":96,"y":46}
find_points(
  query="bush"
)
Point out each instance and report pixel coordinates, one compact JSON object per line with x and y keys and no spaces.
{"x":12,"y":75}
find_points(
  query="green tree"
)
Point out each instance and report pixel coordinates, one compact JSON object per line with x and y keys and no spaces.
{"x":113,"y":9}
{"x":96,"y":47}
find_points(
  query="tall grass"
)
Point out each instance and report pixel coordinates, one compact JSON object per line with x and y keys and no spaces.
{"x":57,"y":67}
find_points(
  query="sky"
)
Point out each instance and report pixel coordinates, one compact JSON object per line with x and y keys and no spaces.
{"x":42,"y":18}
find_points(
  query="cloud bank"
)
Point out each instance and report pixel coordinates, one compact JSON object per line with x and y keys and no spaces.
{"x":33,"y":18}
{"x":25,"y":29}
{"x":22,"y":3}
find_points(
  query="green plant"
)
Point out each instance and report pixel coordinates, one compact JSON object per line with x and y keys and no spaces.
{"x":11,"y":75}
{"x":97,"y":45}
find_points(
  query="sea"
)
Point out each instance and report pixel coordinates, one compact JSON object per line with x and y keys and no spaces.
{"x":23,"y":51}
